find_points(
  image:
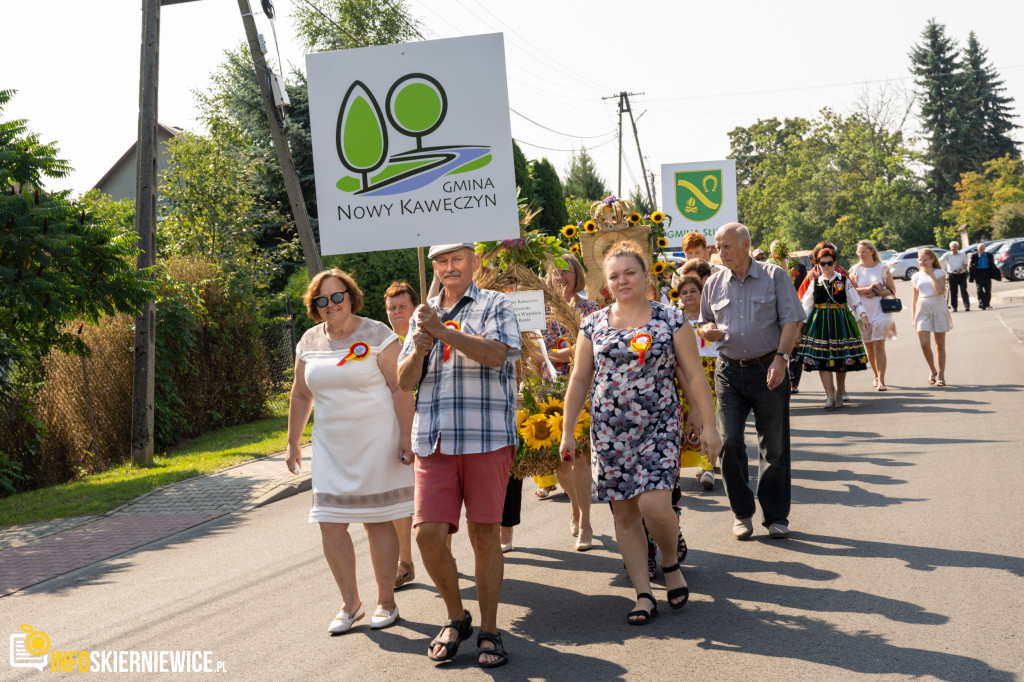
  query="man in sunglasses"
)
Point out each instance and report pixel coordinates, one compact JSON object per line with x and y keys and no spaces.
{"x":751,"y":309}
{"x":461,"y":351}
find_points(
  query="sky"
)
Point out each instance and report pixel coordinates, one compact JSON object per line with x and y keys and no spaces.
{"x":699,"y":69}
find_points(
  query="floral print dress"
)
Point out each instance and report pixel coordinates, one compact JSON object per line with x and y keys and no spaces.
{"x":635,"y":428}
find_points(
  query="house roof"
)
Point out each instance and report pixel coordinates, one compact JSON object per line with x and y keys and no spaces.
{"x":170,"y":131}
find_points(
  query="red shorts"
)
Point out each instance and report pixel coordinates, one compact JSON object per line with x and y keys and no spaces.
{"x":443,"y":482}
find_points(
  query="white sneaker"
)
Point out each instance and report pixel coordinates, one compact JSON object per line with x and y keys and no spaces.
{"x":707,"y":480}
{"x":743,"y":528}
{"x":778,"y":530}
{"x":344,"y":622}
{"x":382,"y":618}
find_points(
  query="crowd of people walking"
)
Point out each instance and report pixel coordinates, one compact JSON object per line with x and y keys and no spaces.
{"x":416,"y":423}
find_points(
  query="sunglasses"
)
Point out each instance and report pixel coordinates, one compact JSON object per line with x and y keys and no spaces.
{"x":336,"y":297}
{"x":826,"y":263}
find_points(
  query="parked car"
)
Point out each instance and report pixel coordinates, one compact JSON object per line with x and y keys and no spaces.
{"x":905,"y":264}
{"x":1009,"y":256}
{"x":990,"y":246}
{"x":886,"y":255}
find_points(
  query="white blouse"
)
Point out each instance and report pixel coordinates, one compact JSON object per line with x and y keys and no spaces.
{"x":852,"y":297}
{"x":923,"y":283}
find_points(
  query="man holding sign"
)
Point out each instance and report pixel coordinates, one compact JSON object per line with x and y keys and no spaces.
{"x":461,"y":352}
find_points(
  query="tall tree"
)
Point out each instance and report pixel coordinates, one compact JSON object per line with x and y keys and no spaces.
{"x":581,"y":178}
{"x":550,"y":198}
{"x":980,"y":195}
{"x":639,"y":198}
{"x":990,"y":114}
{"x":338,"y":24}
{"x":58,"y":263}
{"x":945,"y":110}
{"x":524,"y":182}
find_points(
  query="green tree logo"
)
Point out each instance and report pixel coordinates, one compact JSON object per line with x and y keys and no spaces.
{"x":361,"y":137}
{"x":416,"y":106}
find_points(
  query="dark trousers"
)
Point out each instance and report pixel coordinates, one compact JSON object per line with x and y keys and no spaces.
{"x":513,"y":502}
{"x":959,"y":281}
{"x":741,"y":390}
{"x":983,"y":280}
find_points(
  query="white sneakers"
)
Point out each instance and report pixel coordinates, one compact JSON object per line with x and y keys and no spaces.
{"x":743,"y":528}
{"x":344,"y":622}
{"x":707,"y":480}
{"x":778,"y":530}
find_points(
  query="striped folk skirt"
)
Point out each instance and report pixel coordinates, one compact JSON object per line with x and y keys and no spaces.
{"x":831,"y":341}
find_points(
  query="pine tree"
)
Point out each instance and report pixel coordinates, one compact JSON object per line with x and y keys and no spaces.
{"x":524,"y":182}
{"x":550,"y":197}
{"x":944,"y":109}
{"x":581,"y":178}
{"x":991,"y":117}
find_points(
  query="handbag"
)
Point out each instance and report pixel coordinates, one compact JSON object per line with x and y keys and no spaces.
{"x":891,"y":304}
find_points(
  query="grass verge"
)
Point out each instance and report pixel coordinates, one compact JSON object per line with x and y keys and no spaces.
{"x":110,"y":489}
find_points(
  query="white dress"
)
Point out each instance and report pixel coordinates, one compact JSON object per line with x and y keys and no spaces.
{"x":883,"y":325}
{"x":932,"y":314}
{"x":357,"y":477}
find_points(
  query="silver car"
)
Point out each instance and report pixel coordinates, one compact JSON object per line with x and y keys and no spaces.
{"x":904,"y":264}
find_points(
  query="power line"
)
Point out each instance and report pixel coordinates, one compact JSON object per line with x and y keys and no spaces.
{"x":402,"y":16}
{"x":552,"y":149}
{"x":567,"y":135}
{"x":336,"y":25}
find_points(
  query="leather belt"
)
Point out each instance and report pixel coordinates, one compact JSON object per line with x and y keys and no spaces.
{"x":763,"y":360}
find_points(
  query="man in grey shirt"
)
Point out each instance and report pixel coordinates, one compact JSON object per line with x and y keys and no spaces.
{"x":752,"y":311}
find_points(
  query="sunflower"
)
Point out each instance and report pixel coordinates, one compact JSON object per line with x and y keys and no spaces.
{"x":673,"y":295}
{"x":662,"y":242}
{"x":657,"y":217}
{"x":569,"y":231}
{"x":552,"y":406}
{"x":521,"y":417}
{"x":590,"y":227}
{"x":658,"y":267}
{"x":575,"y":248}
{"x":635,"y":218}
{"x":537,"y":432}
{"x":582,"y":426}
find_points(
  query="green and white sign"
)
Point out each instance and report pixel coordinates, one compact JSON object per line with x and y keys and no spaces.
{"x":700,"y":197}
{"x":412,"y":145}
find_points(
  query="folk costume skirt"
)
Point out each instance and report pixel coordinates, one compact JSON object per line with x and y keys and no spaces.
{"x":831,"y":341}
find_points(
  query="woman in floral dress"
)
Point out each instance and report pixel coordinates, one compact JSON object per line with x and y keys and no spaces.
{"x":626,"y":358}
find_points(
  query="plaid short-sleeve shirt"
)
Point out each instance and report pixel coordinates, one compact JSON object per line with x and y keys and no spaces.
{"x":462,"y":405}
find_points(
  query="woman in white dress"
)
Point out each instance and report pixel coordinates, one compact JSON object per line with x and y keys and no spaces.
{"x":347,"y":368}
{"x":931,"y":316}
{"x":873,"y":281}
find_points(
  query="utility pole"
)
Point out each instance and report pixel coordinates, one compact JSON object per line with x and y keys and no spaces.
{"x":623,"y":98}
{"x":636,"y":136}
{"x":145,"y":226}
{"x":284,"y":154}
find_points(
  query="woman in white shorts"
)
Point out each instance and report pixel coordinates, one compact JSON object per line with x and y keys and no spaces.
{"x":930,"y":313}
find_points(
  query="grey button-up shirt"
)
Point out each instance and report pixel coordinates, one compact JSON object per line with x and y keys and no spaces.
{"x":752,"y":311}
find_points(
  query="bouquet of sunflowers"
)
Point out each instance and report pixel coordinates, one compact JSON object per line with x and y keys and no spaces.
{"x":539,"y":422}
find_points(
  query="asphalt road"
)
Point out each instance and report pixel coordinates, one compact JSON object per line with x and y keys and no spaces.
{"x":905,"y":563}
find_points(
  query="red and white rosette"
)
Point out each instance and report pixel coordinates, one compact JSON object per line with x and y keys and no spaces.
{"x":448,"y":349}
{"x":641,"y":343}
{"x":357,"y":351}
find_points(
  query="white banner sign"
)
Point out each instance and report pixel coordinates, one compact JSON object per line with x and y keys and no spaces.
{"x":412,"y":145}
{"x":700,"y":197}
{"x":529,"y":308}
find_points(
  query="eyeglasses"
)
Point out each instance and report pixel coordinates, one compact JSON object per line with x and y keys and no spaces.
{"x":336,"y":297}
{"x":826,"y":263}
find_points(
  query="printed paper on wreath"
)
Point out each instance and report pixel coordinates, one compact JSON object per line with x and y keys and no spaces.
{"x":412,"y":145}
{"x":529,"y":309}
{"x":700,"y":197}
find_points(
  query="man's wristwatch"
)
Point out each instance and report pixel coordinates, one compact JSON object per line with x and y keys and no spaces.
{"x":784,"y":356}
